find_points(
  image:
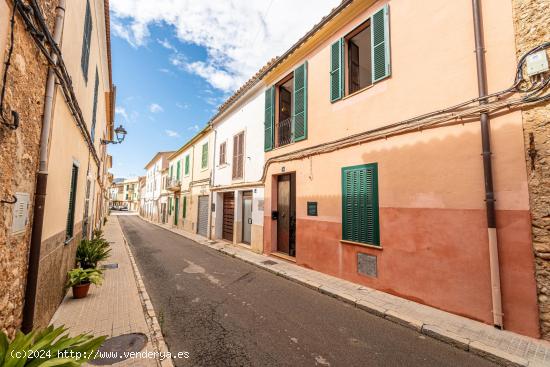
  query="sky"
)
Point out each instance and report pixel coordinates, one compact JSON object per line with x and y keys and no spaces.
{"x":176,"y":61}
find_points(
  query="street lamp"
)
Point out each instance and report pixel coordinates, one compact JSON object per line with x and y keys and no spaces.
{"x":120,"y":135}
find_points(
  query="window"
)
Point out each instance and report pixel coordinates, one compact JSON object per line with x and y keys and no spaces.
{"x":286,"y":110}
{"x":87,"y":37}
{"x":178,"y":170}
{"x":204,"y":157}
{"x":184,"y":206}
{"x":171,"y":170}
{"x":238,"y":156}
{"x":69,"y":229}
{"x":187,"y":165}
{"x":222,"y":153}
{"x":362,"y":57}
{"x":360,"y":204}
{"x":169,"y":205}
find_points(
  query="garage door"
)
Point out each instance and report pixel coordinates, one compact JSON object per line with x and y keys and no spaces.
{"x":228,"y":214}
{"x":202,"y":222}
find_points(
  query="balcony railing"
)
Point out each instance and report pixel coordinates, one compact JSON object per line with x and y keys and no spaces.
{"x":173,"y":184}
{"x":284,"y":132}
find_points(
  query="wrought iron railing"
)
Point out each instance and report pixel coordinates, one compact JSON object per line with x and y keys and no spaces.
{"x":284,"y":132}
{"x":173,"y":183}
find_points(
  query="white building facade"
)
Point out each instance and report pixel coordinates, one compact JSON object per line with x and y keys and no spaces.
{"x":237,"y":191}
{"x":153,"y":186}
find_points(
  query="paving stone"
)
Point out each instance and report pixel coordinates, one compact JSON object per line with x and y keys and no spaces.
{"x":497,"y":355}
{"x":446,"y":336}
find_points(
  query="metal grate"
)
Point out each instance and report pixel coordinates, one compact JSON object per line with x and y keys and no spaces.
{"x":367,"y":265}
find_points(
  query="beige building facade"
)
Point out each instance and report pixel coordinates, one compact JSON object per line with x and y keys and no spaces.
{"x":65,"y":148}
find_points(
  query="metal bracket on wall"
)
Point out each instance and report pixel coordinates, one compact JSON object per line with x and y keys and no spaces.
{"x":12,"y":201}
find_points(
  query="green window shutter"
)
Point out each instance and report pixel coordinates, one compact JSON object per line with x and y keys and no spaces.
{"x":269,"y":118}
{"x":171,"y":171}
{"x":360,"y":204}
{"x":184,"y":206}
{"x":178,"y":170}
{"x":169,"y":206}
{"x":176,"y":211}
{"x":186,"y":165}
{"x":94,"y":111}
{"x":300,"y":103}
{"x":204,"y":162}
{"x":337,"y":70}
{"x":380,"y":41}
{"x":69,"y":229}
{"x":86,"y":40}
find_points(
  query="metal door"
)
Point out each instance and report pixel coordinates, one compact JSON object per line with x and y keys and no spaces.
{"x":202,"y":220}
{"x":228,"y":215}
{"x":247,"y":217}
{"x":283,"y":208}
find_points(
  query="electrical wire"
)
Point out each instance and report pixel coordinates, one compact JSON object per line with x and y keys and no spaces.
{"x":15,"y":116}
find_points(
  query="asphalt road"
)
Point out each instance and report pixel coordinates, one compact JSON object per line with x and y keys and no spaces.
{"x":225,"y":312}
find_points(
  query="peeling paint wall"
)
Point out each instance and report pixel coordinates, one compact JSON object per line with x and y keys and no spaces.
{"x":531,"y":19}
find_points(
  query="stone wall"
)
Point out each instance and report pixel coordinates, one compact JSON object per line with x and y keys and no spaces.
{"x":25,"y":89}
{"x":531,"y":21}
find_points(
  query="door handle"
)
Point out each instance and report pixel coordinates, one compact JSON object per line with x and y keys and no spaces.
{"x":249,"y":220}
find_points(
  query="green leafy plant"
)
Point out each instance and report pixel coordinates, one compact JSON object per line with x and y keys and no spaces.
{"x":48,"y":347}
{"x":79,"y":276}
{"x":90,"y":252}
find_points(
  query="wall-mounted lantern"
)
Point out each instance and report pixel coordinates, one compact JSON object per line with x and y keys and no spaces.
{"x":120,"y":135}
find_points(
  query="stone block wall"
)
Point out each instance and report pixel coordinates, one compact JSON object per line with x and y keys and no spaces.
{"x":531,"y":22}
{"x":25,"y":89}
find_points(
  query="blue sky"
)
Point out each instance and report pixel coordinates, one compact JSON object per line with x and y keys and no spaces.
{"x":175,"y":61}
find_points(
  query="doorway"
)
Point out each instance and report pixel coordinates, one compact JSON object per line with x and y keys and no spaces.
{"x":286,"y":214}
{"x":176,"y":210}
{"x":228,"y":215}
{"x":202,"y":220}
{"x":247,"y":217}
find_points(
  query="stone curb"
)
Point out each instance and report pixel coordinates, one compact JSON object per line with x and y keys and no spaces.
{"x":157,"y":339}
{"x":432,"y":331}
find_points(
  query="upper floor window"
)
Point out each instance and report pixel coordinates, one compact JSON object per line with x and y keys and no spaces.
{"x":238,"y":156}
{"x":186,"y":165}
{"x":94,"y":110}
{"x":223,"y":159}
{"x":362,"y":57}
{"x":86,"y":41}
{"x":286,"y":110}
{"x":204,"y":157}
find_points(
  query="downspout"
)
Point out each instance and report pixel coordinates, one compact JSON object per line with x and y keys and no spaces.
{"x":41,"y":182}
{"x":487,"y":168}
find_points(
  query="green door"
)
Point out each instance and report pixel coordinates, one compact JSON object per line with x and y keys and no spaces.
{"x":176,"y":211}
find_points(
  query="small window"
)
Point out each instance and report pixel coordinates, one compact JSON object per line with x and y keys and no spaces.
{"x":86,"y":40}
{"x":69,"y":229}
{"x":360,"y":204}
{"x":238,"y":156}
{"x":204,"y":160}
{"x":223,"y":159}
{"x":187,"y":165}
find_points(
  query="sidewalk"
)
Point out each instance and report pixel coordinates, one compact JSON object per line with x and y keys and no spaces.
{"x":119,"y":306}
{"x":504,"y":347}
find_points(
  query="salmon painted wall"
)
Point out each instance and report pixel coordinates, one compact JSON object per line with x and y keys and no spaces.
{"x":434,"y":246}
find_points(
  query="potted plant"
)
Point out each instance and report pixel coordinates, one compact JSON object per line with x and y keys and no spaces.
{"x":80,"y":280}
{"x":90,"y":252}
{"x":50,"y":347}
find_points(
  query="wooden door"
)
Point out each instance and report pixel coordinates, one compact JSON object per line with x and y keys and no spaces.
{"x":228,"y":215}
{"x":283,"y":208}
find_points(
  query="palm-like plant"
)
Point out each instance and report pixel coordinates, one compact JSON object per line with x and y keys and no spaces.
{"x":79,"y":276}
{"x":48,"y":347}
{"x":90,"y":252}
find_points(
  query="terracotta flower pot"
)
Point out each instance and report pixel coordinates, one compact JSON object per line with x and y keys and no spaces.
{"x":81,"y":290}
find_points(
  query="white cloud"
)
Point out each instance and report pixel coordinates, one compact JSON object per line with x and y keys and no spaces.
{"x":172,"y":133}
{"x":239,"y":36}
{"x":194,"y":128}
{"x":122,"y":112}
{"x":155,"y":108}
{"x":183,"y":106}
{"x":166,"y":44}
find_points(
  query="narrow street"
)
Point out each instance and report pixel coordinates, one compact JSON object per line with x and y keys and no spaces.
{"x":225,"y":312}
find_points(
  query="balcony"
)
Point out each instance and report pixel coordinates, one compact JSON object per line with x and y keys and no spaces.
{"x":284,"y":132}
{"x":173,"y":184}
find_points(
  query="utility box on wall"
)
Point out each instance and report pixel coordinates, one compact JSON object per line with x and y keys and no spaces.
{"x":20,"y":217}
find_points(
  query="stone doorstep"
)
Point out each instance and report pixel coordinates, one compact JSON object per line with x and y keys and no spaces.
{"x":476,"y":347}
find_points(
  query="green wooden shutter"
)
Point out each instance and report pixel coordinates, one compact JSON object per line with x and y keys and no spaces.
{"x":337,"y":70}
{"x":204,"y":157}
{"x":269,"y":119}
{"x":380,"y":41}
{"x":184,"y":206}
{"x":94,"y":111}
{"x":360,"y":204}
{"x":86,"y":40}
{"x":186,"y":165}
{"x":176,"y":210}
{"x":69,"y":229}
{"x":300,"y":103}
{"x":169,"y":206}
{"x":178,"y":170}
{"x":171,"y":170}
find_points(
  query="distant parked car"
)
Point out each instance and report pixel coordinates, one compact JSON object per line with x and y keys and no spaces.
{"x":123,"y":208}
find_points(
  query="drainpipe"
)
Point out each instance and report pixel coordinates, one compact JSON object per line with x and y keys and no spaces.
{"x":41,"y":183}
{"x":487,"y":168}
{"x":212,"y":177}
